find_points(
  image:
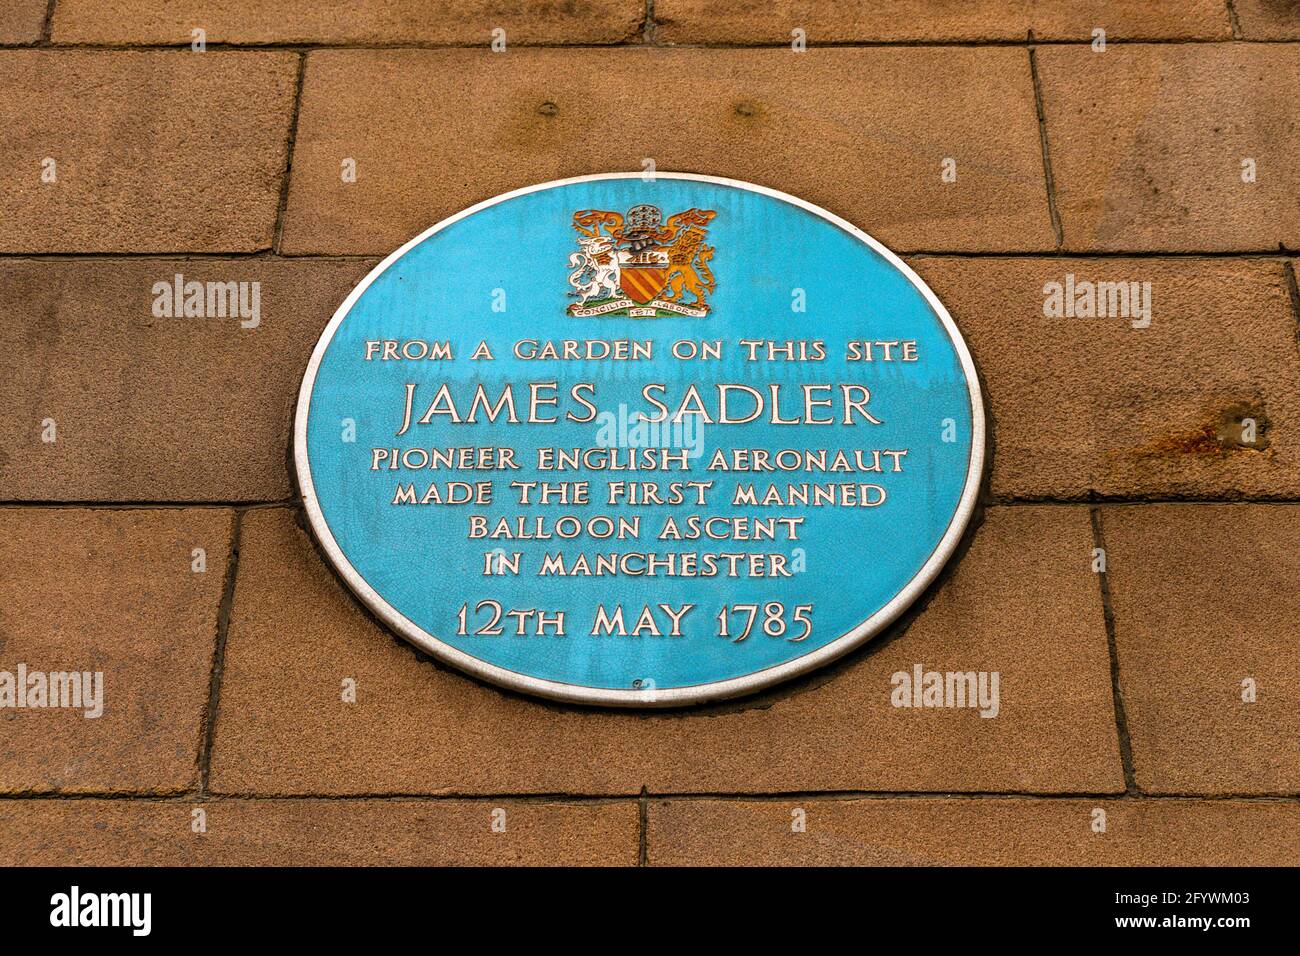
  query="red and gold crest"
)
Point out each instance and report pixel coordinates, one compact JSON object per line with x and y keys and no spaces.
{"x":637,"y":264}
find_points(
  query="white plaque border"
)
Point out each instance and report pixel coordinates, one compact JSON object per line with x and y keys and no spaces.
{"x":650,"y":696}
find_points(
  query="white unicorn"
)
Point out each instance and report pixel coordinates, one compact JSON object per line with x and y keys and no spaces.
{"x":597,"y":269}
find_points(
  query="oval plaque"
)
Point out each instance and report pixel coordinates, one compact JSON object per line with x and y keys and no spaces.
{"x":639,"y":441}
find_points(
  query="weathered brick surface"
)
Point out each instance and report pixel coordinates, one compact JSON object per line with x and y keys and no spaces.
{"x":1083,"y":405}
{"x":156,"y":151}
{"x":110,"y":591}
{"x":973,"y":832}
{"x":1022,"y":602}
{"x":316,"y":833}
{"x":841,"y":21}
{"x":344,"y":21}
{"x":1268,"y":19}
{"x":862,"y":132}
{"x":1147,"y":145}
{"x":154,"y":408}
{"x":1204,"y":598}
{"x":21,"y":21}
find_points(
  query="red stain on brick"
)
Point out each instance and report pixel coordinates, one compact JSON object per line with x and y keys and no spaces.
{"x":1221,"y":433}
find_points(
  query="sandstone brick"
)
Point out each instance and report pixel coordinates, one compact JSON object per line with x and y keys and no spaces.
{"x":1204,"y":598}
{"x":345,"y":21}
{"x":317,"y":833}
{"x":1083,"y":405}
{"x":21,"y":21}
{"x":837,"y":21}
{"x":150,"y":408}
{"x":1147,"y":145}
{"x":1022,"y":602}
{"x":110,"y":591}
{"x":861,"y":132}
{"x":1268,"y":19}
{"x":156,"y":151}
{"x":990,"y":831}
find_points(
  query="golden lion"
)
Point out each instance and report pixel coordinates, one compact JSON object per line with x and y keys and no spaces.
{"x":685,"y":275}
{"x":688,"y":269}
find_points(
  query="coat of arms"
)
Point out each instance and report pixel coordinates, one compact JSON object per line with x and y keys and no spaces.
{"x":639,"y":265}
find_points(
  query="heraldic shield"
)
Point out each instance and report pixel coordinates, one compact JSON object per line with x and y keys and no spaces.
{"x":637,"y":264}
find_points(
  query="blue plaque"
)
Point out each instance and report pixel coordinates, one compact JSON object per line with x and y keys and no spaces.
{"x":640,"y":439}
